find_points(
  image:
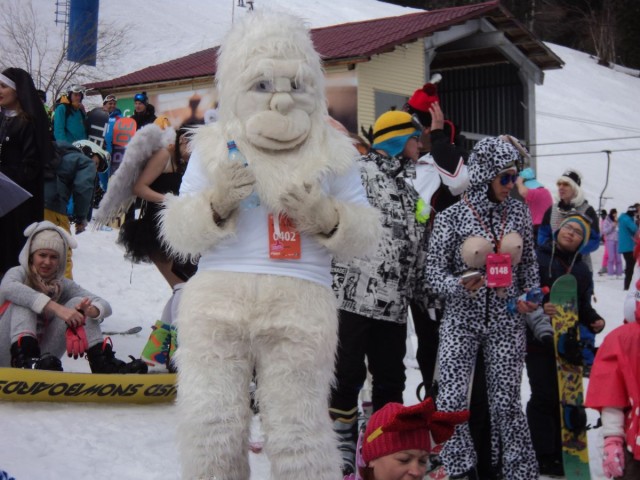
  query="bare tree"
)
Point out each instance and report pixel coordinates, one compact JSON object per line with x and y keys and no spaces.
{"x":38,"y":47}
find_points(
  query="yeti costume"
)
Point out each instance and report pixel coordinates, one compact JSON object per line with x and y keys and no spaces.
{"x":462,"y":237}
{"x":244,"y":310}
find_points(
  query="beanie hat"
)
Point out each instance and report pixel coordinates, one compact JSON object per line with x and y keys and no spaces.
{"x":582,"y":223}
{"x":50,"y":240}
{"x":573,"y":178}
{"x":421,"y":101}
{"x":141,"y":97}
{"x":632,"y":210}
{"x":529,"y":177}
{"x":395,"y":427}
{"x":392,"y":130}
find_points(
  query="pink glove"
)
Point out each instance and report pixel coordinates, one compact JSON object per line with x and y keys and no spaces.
{"x":76,"y":341}
{"x":637,"y":302}
{"x":613,"y":457}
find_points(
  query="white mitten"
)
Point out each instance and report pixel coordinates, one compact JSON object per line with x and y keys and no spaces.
{"x":310,"y":209}
{"x":233,"y":183}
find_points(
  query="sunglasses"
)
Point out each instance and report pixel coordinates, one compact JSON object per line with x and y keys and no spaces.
{"x":507,"y":178}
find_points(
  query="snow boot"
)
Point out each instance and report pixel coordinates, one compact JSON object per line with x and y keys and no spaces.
{"x":25,"y":353}
{"x":345,"y":425}
{"x":102,"y":360}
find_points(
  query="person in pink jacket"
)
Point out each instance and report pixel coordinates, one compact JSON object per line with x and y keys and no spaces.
{"x":614,"y":390}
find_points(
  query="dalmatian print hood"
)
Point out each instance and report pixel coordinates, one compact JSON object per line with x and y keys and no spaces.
{"x":489,"y":157}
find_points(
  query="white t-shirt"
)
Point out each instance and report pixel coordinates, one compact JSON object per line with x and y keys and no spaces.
{"x":248,"y":250}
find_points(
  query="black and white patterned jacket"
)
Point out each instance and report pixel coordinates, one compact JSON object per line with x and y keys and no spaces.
{"x":381,"y":285}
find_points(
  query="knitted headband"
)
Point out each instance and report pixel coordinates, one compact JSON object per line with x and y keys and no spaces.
{"x":572,"y":177}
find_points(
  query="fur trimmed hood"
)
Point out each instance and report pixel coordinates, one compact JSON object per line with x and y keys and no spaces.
{"x":119,"y":196}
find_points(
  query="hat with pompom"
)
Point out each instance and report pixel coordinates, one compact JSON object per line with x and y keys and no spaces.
{"x":421,"y":101}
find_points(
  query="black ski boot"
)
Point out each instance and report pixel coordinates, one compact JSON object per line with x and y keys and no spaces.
{"x":102,"y":360}
{"x":25,"y":353}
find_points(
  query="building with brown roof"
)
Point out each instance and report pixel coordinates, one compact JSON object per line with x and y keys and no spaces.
{"x":490,"y":65}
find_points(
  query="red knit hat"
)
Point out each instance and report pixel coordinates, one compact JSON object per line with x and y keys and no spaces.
{"x":424,"y":97}
{"x":395,"y":427}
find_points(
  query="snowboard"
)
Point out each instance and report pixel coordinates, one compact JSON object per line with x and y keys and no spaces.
{"x":17,"y":384}
{"x":123,"y":131}
{"x":575,"y":453}
{"x":97,"y":121}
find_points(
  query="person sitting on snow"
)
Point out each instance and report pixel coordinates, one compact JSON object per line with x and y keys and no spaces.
{"x":42,"y":314}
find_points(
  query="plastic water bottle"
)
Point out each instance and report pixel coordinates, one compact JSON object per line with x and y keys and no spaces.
{"x":235,"y":155}
{"x":535,"y":295}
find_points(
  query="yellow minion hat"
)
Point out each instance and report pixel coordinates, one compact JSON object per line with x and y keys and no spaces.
{"x":392,"y":130}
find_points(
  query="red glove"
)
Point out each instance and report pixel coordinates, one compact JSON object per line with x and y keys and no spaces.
{"x":613,"y":457}
{"x":76,"y":341}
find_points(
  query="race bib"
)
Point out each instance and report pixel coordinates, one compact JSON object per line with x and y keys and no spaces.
{"x":284,"y":239}
{"x":499,"y":270}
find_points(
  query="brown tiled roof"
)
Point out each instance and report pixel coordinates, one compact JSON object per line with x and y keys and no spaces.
{"x":357,"y":41}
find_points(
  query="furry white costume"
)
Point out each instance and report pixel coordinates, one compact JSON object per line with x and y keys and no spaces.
{"x":242,"y":309}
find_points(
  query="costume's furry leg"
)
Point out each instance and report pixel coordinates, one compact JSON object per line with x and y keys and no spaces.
{"x":294,"y":337}
{"x":214,"y":371}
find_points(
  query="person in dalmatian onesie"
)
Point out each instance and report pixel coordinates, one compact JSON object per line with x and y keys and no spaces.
{"x":614,"y":389}
{"x":262,"y":296}
{"x":490,"y":232}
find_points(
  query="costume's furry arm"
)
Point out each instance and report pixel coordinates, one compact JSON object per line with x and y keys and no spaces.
{"x":357,"y":233}
{"x":345,"y":224}
{"x":204,"y":214}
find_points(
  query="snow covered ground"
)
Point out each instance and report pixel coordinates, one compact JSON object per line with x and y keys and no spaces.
{"x":47,"y":441}
{"x":50,"y":441}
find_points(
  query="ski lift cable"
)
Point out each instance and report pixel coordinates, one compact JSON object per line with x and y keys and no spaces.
{"x":584,"y":141}
{"x":564,"y":154}
{"x":590,"y":122}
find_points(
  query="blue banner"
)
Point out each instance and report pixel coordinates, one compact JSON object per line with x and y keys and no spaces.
{"x":83,"y":32}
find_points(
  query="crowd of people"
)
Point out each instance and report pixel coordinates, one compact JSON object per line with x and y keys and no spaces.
{"x":66,"y":172}
{"x":456,"y":248}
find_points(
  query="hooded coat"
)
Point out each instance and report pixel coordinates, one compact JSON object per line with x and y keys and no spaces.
{"x":615,"y":376}
{"x":15,"y":291}
{"x":462,"y":221}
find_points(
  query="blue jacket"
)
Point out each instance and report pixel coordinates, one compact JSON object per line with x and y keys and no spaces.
{"x":627,"y":228}
{"x":74,"y":176}
{"x":69,"y":124}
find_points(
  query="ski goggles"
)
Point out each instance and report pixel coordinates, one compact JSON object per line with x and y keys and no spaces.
{"x":416,"y":123}
{"x":507,"y":178}
{"x":140,"y":97}
{"x":109,"y":98}
{"x":76,"y":89}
